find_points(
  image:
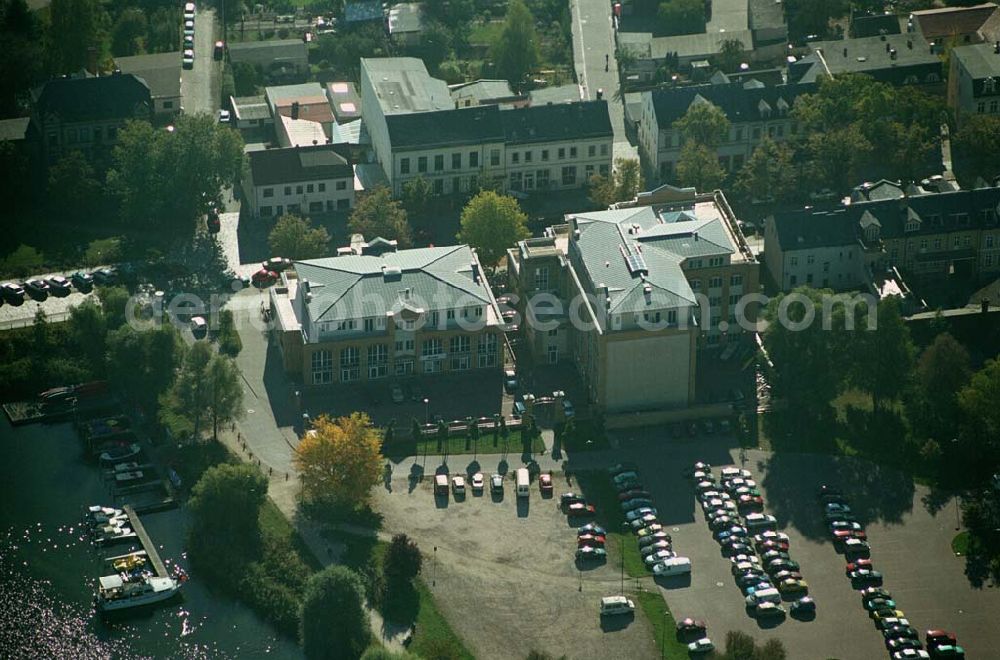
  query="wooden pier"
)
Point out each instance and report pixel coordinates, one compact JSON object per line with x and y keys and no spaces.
{"x":147,"y":543}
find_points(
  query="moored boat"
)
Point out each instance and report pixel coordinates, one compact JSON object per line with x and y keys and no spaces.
{"x":120,"y":453}
{"x":115,"y":593}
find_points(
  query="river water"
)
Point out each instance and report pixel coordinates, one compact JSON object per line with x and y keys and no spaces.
{"x":48,"y":568}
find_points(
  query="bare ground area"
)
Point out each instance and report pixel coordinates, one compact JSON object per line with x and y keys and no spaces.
{"x":504,"y":576}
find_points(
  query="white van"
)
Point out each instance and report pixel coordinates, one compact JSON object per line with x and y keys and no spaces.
{"x":523,"y":482}
{"x":616,"y":605}
{"x":673,"y":566}
{"x":759,"y":521}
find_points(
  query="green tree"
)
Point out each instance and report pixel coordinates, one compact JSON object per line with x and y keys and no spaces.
{"x":247,"y":78}
{"x":942,"y":370}
{"x":184,"y":407}
{"x":75,"y":26}
{"x":769,"y":175}
{"x":21,"y":63}
{"x":624,"y":183}
{"x":102,"y":251}
{"x":975,"y":146}
{"x":416,"y":196}
{"x":162,"y":35}
{"x":89,"y":329}
{"x":491,"y":223}
{"x":704,"y":123}
{"x":114,"y":301}
{"x":739,"y":646}
{"x":772,"y":649}
{"x":731,"y":55}
{"x":698,"y":166}
{"x":382,"y":653}
{"x":295,"y":238}
{"x":127,"y":32}
{"x":402,"y":561}
{"x":435,"y":44}
{"x":378,"y":214}
{"x":23,"y":260}
{"x":515,"y":51}
{"x":167,"y":178}
{"x":225,"y":392}
{"x":806,"y":17}
{"x":333,"y":622}
{"x":73,"y":189}
{"x":836,"y":157}
{"x":225,"y":510}
{"x":979,"y":402}
{"x":682,"y":17}
{"x":883,"y":355}
{"x":808,"y":371}
{"x":229,"y":339}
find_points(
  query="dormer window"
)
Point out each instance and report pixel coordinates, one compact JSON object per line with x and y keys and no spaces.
{"x":764,"y":108}
{"x":990,"y":85}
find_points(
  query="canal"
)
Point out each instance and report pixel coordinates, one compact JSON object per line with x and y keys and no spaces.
{"x":48,"y":568}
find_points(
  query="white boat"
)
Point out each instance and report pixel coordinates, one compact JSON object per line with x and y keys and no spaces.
{"x":101,"y":515}
{"x":119,"y":454}
{"x":114,"y":593}
{"x":126,"y":467}
{"x":112,"y":533}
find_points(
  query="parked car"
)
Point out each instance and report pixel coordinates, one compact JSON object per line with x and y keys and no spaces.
{"x":580,"y":509}
{"x":635,"y":493}
{"x":189,"y":27}
{"x":263,"y":278}
{"x":276,"y":264}
{"x":591,"y":528}
{"x":591,"y":553}
{"x":478,"y":482}
{"x":591,"y":540}
{"x":767,"y":610}
{"x":858,"y":564}
{"x":13,"y":292}
{"x":655,"y":537}
{"x":876,"y":604}
{"x":545,"y":483}
{"x":567,"y":499}
{"x":635,"y":514}
{"x":804,"y":606}
{"x":510,"y":383}
{"x":782,"y":565}
{"x":224,"y":116}
{"x":189,"y":10}
{"x":646,"y":520}
{"x":947,"y":651}
{"x":874,"y":592}
{"x":187,"y":59}
{"x":105,"y":276}
{"x":913,"y":654}
{"x":496,"y":483}
{"x":219,"y":50}
{"x":58,"y":284}
{"x":689,"y":626}
{"x":37,"y":289}
{"x":902,"y":643}
{"x":649,"y":529}
{"x":866,"y":577}
{"x":662,"y":544}
{"x":82,"y":281}
{"x":701,"y":646}
{"x":458,"y":484}
{"x":939,"y":637}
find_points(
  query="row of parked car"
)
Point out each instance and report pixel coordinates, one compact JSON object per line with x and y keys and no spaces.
{"x":758,"y":553}
{"x":40,"y":289}
{"x":655,"y":544}
{"x":902,"y":640}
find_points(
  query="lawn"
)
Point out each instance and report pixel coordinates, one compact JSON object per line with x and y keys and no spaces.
{"x":433,"y":633}
{"x":273,"y":523}
{"x":484,"y":34}
{"x":457,"y":445}
{"x":960,"y":544}
{"x":597,"y":488}
{"x":662,"y":622}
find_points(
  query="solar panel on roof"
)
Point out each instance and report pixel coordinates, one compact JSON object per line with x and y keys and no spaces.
{"x":636,"y":263}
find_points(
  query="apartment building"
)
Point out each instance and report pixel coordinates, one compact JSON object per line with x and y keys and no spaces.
{"x":632,"y":294}
{"x":85,"y":113}
{"x":416,"y":131}
{"x":974,"y":80}
{"x":755,"y":110}
{"x":374,"y":313}
{"x":896,"y":59}
{"x":924,"y":235}
{"x":162,"y":74}
{"x":304,"y":180}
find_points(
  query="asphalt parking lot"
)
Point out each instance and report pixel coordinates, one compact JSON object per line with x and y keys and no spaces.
{"x":503,"y":571}
{"x":910,"y":546}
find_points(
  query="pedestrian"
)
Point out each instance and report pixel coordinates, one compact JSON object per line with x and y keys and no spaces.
{"x":286,"y":476}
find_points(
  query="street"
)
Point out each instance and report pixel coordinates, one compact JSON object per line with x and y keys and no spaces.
{"x":593,"y":41}
{"x":200,"y":85}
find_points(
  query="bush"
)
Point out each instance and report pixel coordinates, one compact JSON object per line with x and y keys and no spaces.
{"x":23,"y":261}
{"x":103,"y":251}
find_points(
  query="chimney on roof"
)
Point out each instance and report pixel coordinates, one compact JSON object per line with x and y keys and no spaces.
{"x":996,"y":48}
{"x":295,"y":109}
{"x":845,"y":51}
{"x":892,"y":54}
{"x":475,"y":272}
{"x":909,"y":44}
{"x":887,"y":46}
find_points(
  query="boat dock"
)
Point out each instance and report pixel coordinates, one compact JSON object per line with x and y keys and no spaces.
{"x":147,"y":543}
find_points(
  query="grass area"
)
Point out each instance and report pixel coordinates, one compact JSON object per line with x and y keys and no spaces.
{"x":433,"y":633}
{"x":457,"y":445}
{"x":960,"y":544}
{"x":484,"y":34}
{"x":274,"y":524}
{"x":662,"y":622}
{"x":597,"y":488}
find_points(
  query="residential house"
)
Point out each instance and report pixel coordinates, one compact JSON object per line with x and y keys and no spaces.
{"x":974,"y":80}
{"x":306,"y":101}
{"x":85,"y":113}
{"x":252,"y":114}
{"x":630,"y":295}
{"x":954,"y":25}
{"x":304,"y":180}
{"x":754,"y":110}
{"x":897,"y":59}
{"x":299,"y":132}
{"x":162,"y":73}
{"x":276,"y":58}
{"x":375,"y":313}
{"x":416,"y":132}
{"x":925,"y":235}
{"x":870,"y":24}
{"x":406,"y":23}
{"x":484,"y":92}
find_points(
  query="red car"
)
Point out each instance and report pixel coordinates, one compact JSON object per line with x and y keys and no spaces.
{"x":858,"y":564}
{"x":264,"y":278}
{"x":580,"y":509}
{"x":545,"y":483}
{"x":844,"y":534}
{"x":780,"y":546}
{"x":936,"y":637}
{"x":590,"y":539}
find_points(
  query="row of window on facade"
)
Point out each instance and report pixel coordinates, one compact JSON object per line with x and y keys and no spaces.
{"x":306,"y":188}
{"x":994,"y":107}
{"x":539,"y":179}
{"x":85,"y":134}
{"x":377,"y":359}
{"x":713,"y":262}
{"x":314,"y":207}
{"x":774,"y":131}
{"x":377,"y":323}
{"x":423,"y":162}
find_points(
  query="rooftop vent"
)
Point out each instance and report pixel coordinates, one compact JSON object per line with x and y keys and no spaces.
{"x":391,"y":273}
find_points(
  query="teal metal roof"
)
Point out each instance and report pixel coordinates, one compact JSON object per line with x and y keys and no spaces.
{"x":365,"y":286}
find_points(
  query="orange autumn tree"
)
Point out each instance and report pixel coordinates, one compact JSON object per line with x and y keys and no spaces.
{"x":339,"y":460}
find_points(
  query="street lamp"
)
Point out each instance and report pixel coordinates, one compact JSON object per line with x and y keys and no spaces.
{"x":621,"y":551}
{"x":427,"y":416}
{"x":958,"y":519}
